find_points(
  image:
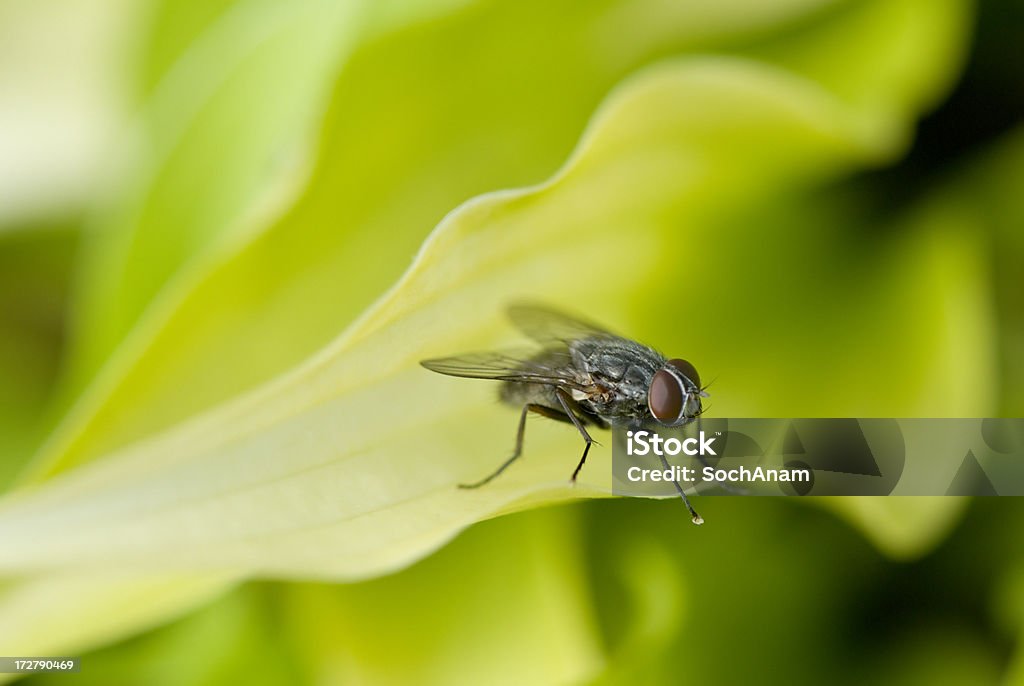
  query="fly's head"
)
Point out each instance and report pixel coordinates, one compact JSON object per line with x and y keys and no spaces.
{"x":674,"y":396}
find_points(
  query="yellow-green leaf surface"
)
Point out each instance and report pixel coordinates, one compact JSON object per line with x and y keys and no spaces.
{"x":980,"y":202}
{"x":243,"y":315}
{"x":988,"y":192}
{"x":883,"y":322}
{"x":525,"y":574}
{"x":302,"y":479}
{"x":1008,"y":605}
{"x":234,"y":94}
{"x":656,"y":597}
{"x":903,"y":527}
{"x":248,"y":88}
{"x":235,"y":638}
{"x":34,"y":269}
{"x":997,"y":202}
{"x":69,"y":612}
{"x":310,"y":478}
{"x":234,"y":329}
{"x":508,"y":602}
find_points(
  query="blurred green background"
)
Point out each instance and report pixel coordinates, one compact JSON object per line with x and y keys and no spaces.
{"x":196,"y":197}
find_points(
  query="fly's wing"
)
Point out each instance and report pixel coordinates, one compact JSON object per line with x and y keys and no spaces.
{"x":548,"y":326}
{"x":549,"y":367}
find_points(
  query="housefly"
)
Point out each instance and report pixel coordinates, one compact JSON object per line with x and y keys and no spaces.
{"x":583,"y":375}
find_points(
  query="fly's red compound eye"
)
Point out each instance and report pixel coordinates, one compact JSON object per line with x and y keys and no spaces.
{"x":665,"y":397}
{"x":688,"y":370}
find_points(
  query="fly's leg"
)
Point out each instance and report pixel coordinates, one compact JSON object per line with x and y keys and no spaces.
{"x":567,"y":403}
{"x":528,"y":407}
{"x":697,"y":519}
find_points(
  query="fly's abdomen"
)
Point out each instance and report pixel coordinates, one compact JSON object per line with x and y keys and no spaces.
{"x":518,"y":393}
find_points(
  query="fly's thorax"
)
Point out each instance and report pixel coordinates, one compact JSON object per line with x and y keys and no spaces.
{"x":617,"y":408}
{"x":620,"y":371}
{"x":616,"y":359}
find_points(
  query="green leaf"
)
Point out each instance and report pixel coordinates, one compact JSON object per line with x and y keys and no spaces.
{"x":1009,"y":600}
{"x":236,"y":638}
{"x":655,"y":600}
{"x":35,"y":268}
{"x":307,"y":478}
{"x":36,"y":614}
{"x":264,"y":64}
{"x":511,"y":594}
{"x":671,"y":151}
{"x":890,"y":60}
{"x":904,"y":527}
{"x":249,"y":312}
{"x":992,"y":195}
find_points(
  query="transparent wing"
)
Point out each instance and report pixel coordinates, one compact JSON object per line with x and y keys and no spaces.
{"x":544,"y":367}
{"x":548,"y":326}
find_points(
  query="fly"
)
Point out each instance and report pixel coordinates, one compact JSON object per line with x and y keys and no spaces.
{"x":585,"y":376}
